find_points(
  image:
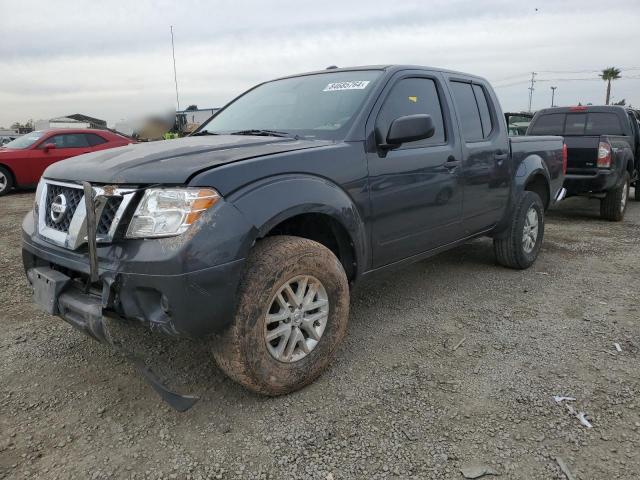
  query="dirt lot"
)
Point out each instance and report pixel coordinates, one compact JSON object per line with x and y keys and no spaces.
{"x":401,"y":401}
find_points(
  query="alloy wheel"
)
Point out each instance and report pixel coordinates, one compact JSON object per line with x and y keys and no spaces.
{"x":530,"y":232}
{"x":296,"y":318}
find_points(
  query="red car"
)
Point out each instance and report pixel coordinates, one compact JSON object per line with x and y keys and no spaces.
{"x":23,"y":160}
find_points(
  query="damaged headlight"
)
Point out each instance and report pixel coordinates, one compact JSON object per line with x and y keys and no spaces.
{"x":36,"y":200}
{"x":164,"y":212}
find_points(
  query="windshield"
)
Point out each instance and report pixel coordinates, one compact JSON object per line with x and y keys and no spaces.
{"x":312,"y":106}
{"x":25,"y":141}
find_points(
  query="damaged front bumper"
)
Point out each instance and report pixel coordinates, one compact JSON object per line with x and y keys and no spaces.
{"x":58,"y":294}
{"x":146,"y":281}
{"x":166,"y":284}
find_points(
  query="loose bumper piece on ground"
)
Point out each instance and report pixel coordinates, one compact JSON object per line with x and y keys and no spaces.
{"x":57,"y":294}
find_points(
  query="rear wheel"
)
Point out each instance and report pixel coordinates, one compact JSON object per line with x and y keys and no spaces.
{"x":292,"y":314}
{"x":519,"y":248}
{"x":614,"y":204}
{"x":6,"y":181}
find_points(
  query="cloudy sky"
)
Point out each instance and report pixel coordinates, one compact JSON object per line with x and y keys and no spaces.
{"x":112,"y":59}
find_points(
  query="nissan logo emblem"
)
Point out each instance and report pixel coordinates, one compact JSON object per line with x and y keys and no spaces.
{"x":58,"y":208}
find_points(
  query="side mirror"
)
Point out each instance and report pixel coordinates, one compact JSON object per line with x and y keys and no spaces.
{"x":48,"y":146}
{"x":409,"y":129}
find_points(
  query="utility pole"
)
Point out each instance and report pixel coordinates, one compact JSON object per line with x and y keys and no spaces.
{"x":553,"y":94}
{"x":531,"y":89}
{"x":175,"y":75}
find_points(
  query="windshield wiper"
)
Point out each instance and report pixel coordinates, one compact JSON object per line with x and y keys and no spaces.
{"x":203,"y":132}
{"x":263,"y":133}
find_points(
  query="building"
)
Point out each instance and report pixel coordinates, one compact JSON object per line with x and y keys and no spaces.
{"x":8,"y":134}
{"x":77,"y":120}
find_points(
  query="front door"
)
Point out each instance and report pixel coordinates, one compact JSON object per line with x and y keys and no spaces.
{"x":66,"y":145}
{"x":415,"y":190}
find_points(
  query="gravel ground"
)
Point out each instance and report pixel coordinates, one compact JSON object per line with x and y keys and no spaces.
{"x":449,"y":363}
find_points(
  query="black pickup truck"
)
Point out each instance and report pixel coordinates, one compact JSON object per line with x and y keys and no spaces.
{"x":253,"y":229}
{"x":603,"y":144}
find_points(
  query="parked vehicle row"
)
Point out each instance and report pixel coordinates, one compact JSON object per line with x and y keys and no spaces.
{"x":23,"y":160}
{"x":603,"y":145}
{"x":254,"y":228}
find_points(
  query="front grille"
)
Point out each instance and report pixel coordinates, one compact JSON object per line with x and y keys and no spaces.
{"x":62,"y":217}
{"x":108,"y":214}
{"x":72,"y":196}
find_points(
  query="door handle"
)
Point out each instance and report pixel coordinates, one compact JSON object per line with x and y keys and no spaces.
{"x":452,"y":162}
{"x":501,"y":156}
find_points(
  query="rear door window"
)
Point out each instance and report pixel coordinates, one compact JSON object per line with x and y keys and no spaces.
{"x":483,"y":107}
{"x":468,"y":112}
{"x":411,"y":96}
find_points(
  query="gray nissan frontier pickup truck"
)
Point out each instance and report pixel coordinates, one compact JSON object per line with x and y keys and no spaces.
{"x":251,"y":232}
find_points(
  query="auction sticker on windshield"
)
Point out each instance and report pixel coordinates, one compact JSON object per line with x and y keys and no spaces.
{"x":356,"y":85}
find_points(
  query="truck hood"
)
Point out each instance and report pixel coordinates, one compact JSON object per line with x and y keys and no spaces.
{"x":171,"y":161}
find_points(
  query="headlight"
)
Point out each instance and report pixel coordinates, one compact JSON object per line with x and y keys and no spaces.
{"x":164,"y":212}
{"x":36,"y":200}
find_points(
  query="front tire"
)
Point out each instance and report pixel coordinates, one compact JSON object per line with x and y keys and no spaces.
{"x":6,"y":181}
{"x":520,"y":246}
{"x":614,"y":205}
{"x":292,"y":313}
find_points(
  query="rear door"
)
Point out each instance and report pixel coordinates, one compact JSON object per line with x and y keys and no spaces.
{"x":485,"y":150}
{"x":415,"y":190}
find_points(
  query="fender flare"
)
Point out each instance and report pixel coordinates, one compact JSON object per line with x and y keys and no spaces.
{"x":272,"y":200}
{"x":530,"y":166}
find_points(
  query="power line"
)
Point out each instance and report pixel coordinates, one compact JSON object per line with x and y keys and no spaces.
{"x":526,"y":74}
{"x":588,"y":79}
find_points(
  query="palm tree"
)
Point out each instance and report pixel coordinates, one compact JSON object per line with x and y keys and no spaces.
{"x":608,"y":74}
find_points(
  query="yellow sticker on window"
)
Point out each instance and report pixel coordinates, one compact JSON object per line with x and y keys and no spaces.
{"x":413,"y":99}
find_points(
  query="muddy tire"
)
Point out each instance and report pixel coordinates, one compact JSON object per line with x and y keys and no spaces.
{"x":6,"y":181}
{"x":289,"y":283}
{"x":614,"y":205}
{"x":519,"y":248}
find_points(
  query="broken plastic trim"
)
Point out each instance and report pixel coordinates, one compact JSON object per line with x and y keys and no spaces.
{"x":90,"y":208}
{"x":179,"y":402}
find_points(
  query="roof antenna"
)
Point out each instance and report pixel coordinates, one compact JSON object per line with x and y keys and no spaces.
{"x":332,"y":67}
{"x":175,"y":75}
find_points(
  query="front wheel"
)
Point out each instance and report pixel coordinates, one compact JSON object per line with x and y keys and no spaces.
{"x":614,"y":205}
{"x":292,"y":314}
{"x":519,"y":248}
